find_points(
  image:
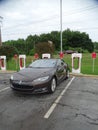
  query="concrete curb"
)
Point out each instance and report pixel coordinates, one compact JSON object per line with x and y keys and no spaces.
{"x":5,"y":71}
{"x":84,"y":75}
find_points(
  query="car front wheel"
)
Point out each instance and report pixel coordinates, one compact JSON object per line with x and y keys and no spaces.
{"x":52,"y":86}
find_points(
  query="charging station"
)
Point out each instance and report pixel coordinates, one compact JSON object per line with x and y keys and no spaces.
{"x":46,"y":56}
{"x":3,"y":62}
{"x":22,"y":61}
{"x":79,"y":57}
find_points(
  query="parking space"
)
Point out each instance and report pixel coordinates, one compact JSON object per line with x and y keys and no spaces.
{"x":76,"y":109}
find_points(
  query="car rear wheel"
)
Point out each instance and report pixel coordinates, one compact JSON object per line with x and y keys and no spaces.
{"x":52,"y":86}
{"x":67,"y":75}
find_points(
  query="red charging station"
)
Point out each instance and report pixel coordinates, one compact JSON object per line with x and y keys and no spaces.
{"x":93,"y":55}
{"x":61,"y":55}
{"x":22,"y":61}
{"x":3,"y":62}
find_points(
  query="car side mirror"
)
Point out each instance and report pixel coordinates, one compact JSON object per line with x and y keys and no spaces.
{"x":62,"y":63}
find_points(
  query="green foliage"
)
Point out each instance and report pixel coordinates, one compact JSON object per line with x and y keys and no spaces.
{"x":79,"y":50}
{"x":96,"y":51}
{"x":95,"y":46}
{"x":31,"y":42}
{"x":20,"y":45}
{"x":32,"y":52}
{"x":44,"y":47}
{"x":73,"y":39}
{"x":56,"y":39}
{"x":8,"y":51}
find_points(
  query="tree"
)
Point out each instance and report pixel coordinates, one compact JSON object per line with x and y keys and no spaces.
{"x":8,"y":51}
{"x":44,"y":47}
{"x":75,"y":39}
{"x":70,"y":39}
{"x":55,"y":38}
{"x":95,"y":45}
{"x":31,"y":42}
{"x":19,"y":44}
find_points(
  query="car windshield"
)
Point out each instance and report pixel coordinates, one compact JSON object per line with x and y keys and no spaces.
{"x":43,"y":63}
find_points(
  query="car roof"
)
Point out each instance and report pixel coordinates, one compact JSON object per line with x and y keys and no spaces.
{"x":49,"y":59}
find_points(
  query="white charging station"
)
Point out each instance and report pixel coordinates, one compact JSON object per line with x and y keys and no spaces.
{"x":22,"y":61}
{"x":79,"y":56}
{"x":46,"y":56}
{"x":3,"y":62}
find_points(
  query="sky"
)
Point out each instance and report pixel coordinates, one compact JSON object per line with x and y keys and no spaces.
{"x":22,"y":18}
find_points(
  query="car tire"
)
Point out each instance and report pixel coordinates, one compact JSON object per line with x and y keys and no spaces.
{"x":67,"y":74}
{"x":53,"y":85}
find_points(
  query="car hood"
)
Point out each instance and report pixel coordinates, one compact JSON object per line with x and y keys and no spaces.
{"x":29,"y":74}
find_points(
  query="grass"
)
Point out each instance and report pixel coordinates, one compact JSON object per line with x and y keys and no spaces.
{"x":14,"y":64}
{"x":86,"y":63}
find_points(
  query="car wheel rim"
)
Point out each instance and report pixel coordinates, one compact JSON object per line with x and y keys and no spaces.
{"x":53,"y":85}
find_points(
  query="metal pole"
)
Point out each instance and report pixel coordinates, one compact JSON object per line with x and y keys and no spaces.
{"x":61,"y":23}
{"x":0,"y":30}
{"x":0,"y":37}
{"x":93,"y":64}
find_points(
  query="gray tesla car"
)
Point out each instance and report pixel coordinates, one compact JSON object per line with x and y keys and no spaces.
{"x":42,"y":75}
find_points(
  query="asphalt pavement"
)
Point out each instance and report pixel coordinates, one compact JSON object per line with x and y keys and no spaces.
{"x":73,"y":106}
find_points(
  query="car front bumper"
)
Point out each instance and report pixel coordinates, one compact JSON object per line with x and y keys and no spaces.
{"x":30,"y":88}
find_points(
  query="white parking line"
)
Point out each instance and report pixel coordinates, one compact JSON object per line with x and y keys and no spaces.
{"x":4,"y":89}
{"x":49,"y":112}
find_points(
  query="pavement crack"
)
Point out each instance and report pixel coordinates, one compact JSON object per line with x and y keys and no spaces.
{"x":91,"y":92}
{"x":93,"y":123}
{"x":86,"y":91}
{"x":86,"y":116}
{"x":66,"y":105}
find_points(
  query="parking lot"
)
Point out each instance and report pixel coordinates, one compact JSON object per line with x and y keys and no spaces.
{"x":73,"y":106}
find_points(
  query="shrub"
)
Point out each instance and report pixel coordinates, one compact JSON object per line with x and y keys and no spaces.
{"x":32,"y":52}
{"x":8,"y":51}
{"x":44,"y":47}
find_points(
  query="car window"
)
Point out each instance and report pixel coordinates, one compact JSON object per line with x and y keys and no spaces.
{"x":43,"y":63}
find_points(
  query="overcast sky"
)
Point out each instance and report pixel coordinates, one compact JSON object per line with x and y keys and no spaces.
{"x":24,"y":17}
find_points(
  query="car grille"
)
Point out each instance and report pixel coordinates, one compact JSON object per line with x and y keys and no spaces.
{"x":22,"y":85}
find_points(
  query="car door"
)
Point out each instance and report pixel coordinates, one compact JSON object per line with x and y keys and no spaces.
{"x":60,"y":70}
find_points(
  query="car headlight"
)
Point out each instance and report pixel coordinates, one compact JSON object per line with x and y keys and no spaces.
{"x":12,"y":77}
{"x":41,"y":79}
